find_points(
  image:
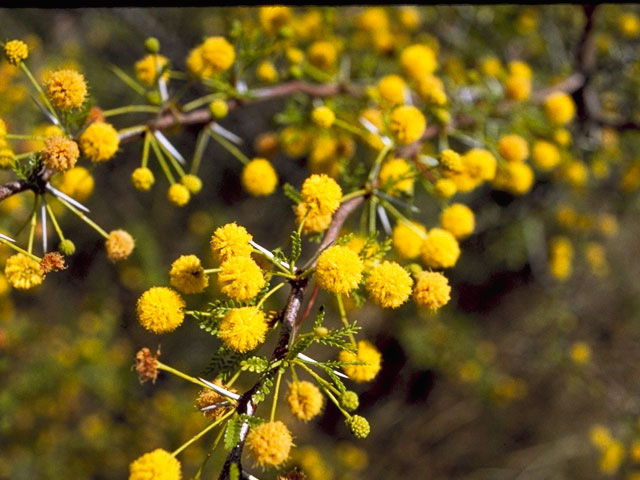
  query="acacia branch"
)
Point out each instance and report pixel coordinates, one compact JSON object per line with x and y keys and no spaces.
{"x":288,"y":331}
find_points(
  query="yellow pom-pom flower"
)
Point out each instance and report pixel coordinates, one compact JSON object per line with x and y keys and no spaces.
{"x":119,"y":245}
{"x":407,"y":239}
{"x":60,"y":153}
{"x":23,"y":272}
{"x":479,"y":164}
{"x":629,"y":25}
{"x":513,"y":148}
{"x":160,"y":310}
{"x":580,"y":353}
{"x":192,"y":182}
{"x":142,"y":178}
{"x":259,"y":177}
{"x":314,"y":221}
{"x":272,"y":19}
{"x":440,"y":249}
{"x":392,"y":89}
{"x":398,"y":175}
{"x":339,"y":269}
{"x":323,"y":116}
{"x":270,"y":443}
{"x":99,"y":142}
{"x":230,"y":240}
{"x":217,"y":55}
{"x":560,"y":258}
{"x":16,"y":51}
{"x":407,"y":124}
{"x":323,"y":55}
{"x":458,"y":219}
{"x":266,"y":72}
{"x":518,"y":88}
{"x":516,"y":178}
{"x":240,"y":278}
{"x":451,"y":160}
{"x":178,"y":194}
{"x":559,"y":108}
{"x":371,"y":358}
{"x":322,"y":193}
{"x":156,"y":465}
{"x":149,"y":67}
{"x":305,"y":400}
{"x":388,"y":284}
{"x":187,"y":274}
{"x":66,"y":89}
{"x":612,"y":458}
{"x":418,"y":61}
{"x":445,"y":188}
{"x":243,"y":329}
{"x":545,"y":155}
{"x":432,"y":290}
{"x":76,"y":182}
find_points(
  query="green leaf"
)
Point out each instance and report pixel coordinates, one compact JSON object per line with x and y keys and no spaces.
{"x":263,"y":391}
{"x":232,"y":433}
{"x":234,"y":472}
{"x":319,"y":317}
{"x":340,"y":338}
{"x":256,"y":364}
{"x":291,"y":192}
{"x":296,"y":247}
{"x":224,"y":363}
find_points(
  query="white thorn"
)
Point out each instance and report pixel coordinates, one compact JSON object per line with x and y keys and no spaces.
{"x":166,"y":144}
{"x":302,"y":356}
{"x":9,"y":239}
{"x":214,"y":406}
{"x":219,"y":389}
{"x":384,"y":219}
{"x":73,"y":202}
{"x":43,"y":214}
{"x":268,"y":253}
{"x":232,"y":137}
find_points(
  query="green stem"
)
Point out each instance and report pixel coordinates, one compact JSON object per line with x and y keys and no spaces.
{"x":198,"y":102}
{"x":201,"y":145}
{"x":178,"y":373}
{"x":131,"y":109}
{"x":17,"y":136}
{"x":343,"y":317}
{"x":33,"y":222}
{"x":355,"y":193}
{"x":84,"y":218}
{"x":231,"y":148}
{"x":233,"y":379}
{"x":321,"y":381}
{"x":269,"y":293}
{"x":162,"y":161}
{"x":350,"y":128}
{"x":209,"y":453}
{"x":45,"y":99}
{"x":275,"y":396}
{"x":203,"y":432}
{"x":54,"y":221}
{"x":373,"y":175}
{"x":209,"y":271}
{"x":145,"y":149}
{"x":174,"y":161}
{"x":20,"y":250}
{"x":134,"y":129}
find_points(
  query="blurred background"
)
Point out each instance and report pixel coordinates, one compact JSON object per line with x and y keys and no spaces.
{"x":505,"y":382}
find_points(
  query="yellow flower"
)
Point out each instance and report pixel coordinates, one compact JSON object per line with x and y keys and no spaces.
{"x":314,"y":221}
{"x":217,"y":55}
{"x":6,"y":157}
{"x":629,"y":25}
{"x":259,"y":178}
{"x":219,"y":108}
{"x":66,"y":89}
{"x":407,"y":239}
{"x":339,"y":269}
{"x":16,"y":51}
{"x":148,"y":68}
{"x":323,"y":55}
{"x":608,"y":224}
{"x":119,"y":245}
{"x":99,"y":142}
{"x":323,"y":116}
{"x":445,"y":188}
{"x":491,"y":66}
{"x":545,"y":155}
{"x":373,"y":20}
{"x":243,"y":329}
{"x":410,"y":18}
{"x":398,"y":175}
{"x":3,"y":129}
{"x":160,"y":310}
{"x":432,"y":290}
{"x":431,"y":90}
{"x":418,"y":61}
{"x":60,"y":153}
{"x":178,"y":194}
{"x":231,"y":240}
{"x":407,"y":124}
{"x":371,"y":358}
{"x":513,"y":148}
{"x":392,"y":89}
{"x":562,"y":137}
{"x":270,"y":443}
{"x":389,"y":285}
{"x":560,"y":257}
{"x":142,"y":178}
{"x":156,"y":465}
{"x":440,"y":249}
{"x":520,"y":69}
{"x":612,"y":457}
{"x":597,"y":258}
{"x":22,"y":272}
{"x":266,"y":72}
{"x":77,"y":183}
{"x":187,"y":274}
{"x":580,"y":353}
{"x":207,"y":397}
{"x":516,"y":178}
{"x":294,"y":55}
{"x":295,"y":141}
{"x":575,"y":173}
{"x":240,"y":278}
{"x":305,"y":400}
{"x":374,"y":115}
{"x":272,"y":19}
{"x":192,"y":182}
{"x":451,"y":160}
{"x":458,"y":219}
{"x":518,"y":88}
{"x":479,"y":164}
{"x":600,"y":436}
{"x":195,"y":62}
{"x":322,"y":193}
{"x":559,"y":108}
